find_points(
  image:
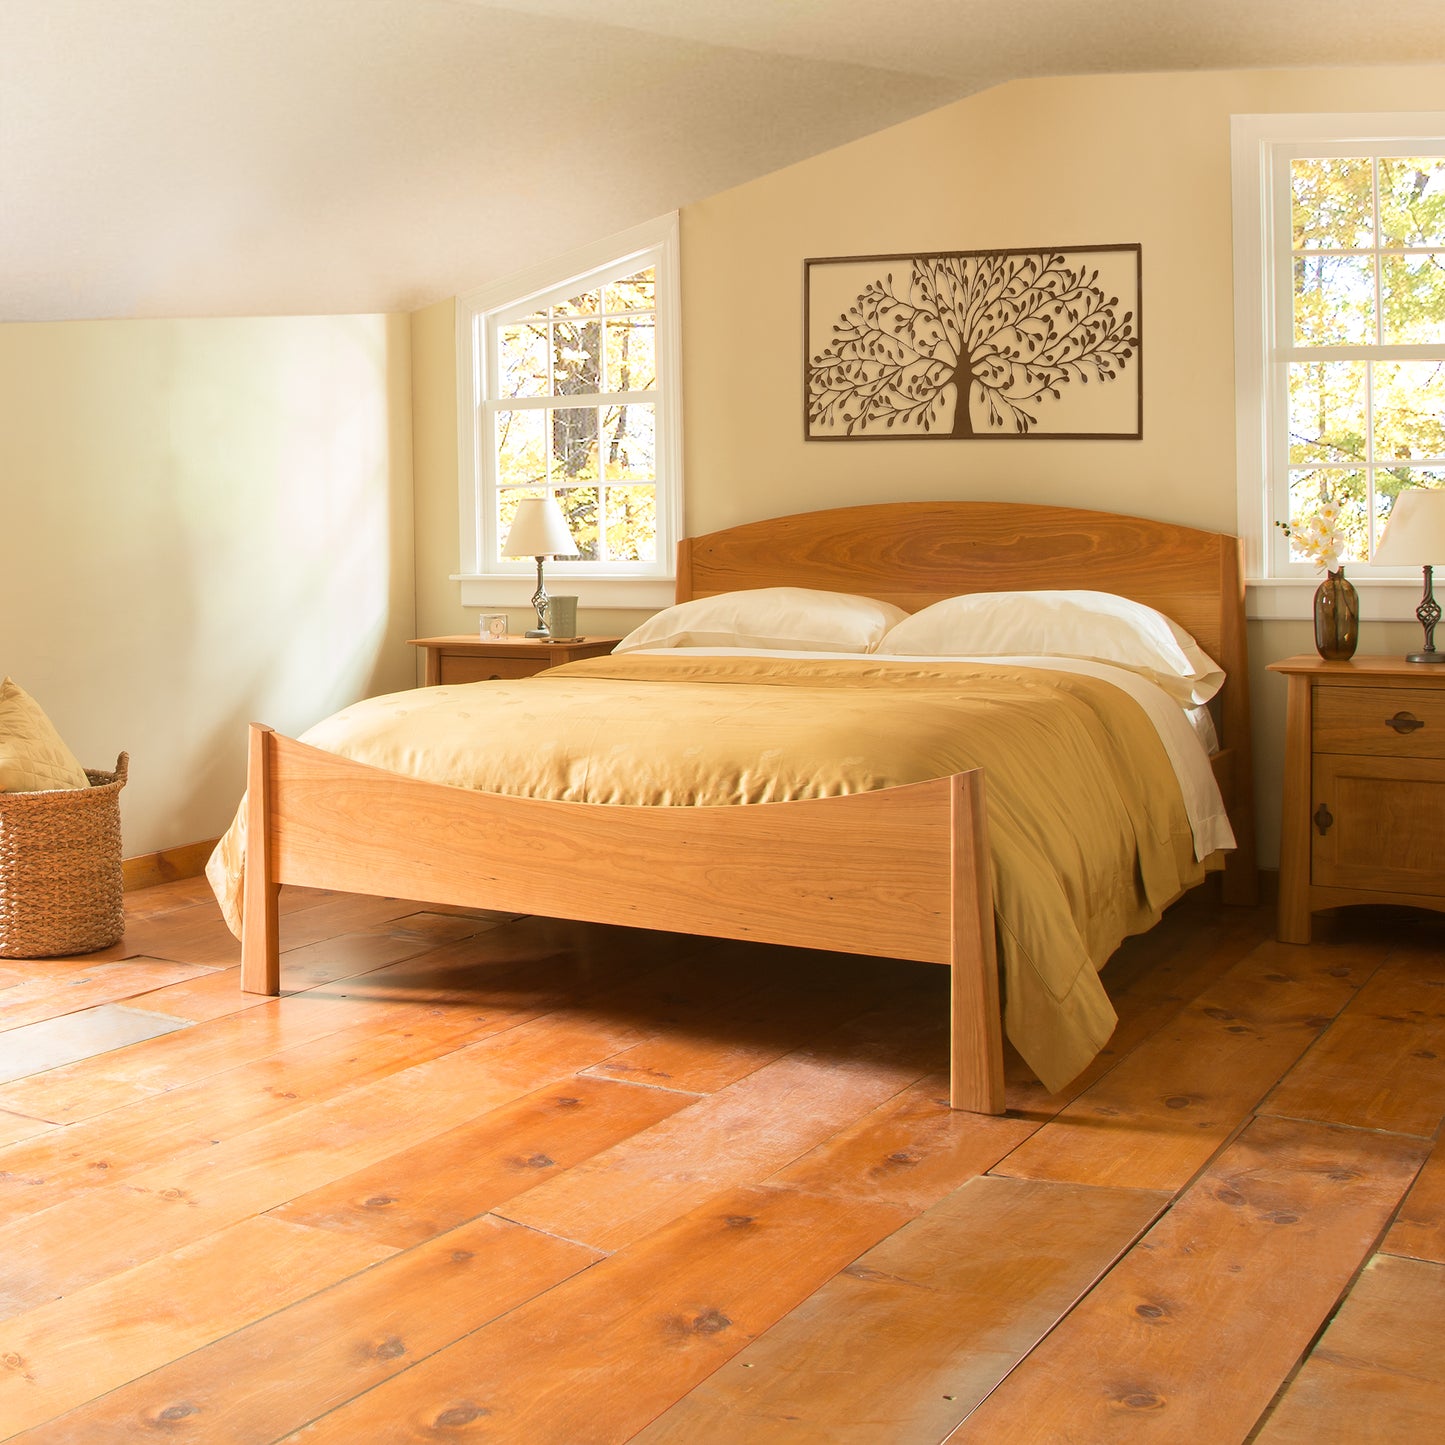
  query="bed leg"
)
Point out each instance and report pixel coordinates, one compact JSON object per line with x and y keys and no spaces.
{"x":260,"y":929}
{"x":976,"y":1028}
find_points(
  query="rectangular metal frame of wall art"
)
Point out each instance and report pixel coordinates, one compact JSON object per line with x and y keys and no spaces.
{"x":968,"y":344}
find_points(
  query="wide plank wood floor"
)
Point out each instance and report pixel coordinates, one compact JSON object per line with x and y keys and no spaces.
{"x":477,"y":1176}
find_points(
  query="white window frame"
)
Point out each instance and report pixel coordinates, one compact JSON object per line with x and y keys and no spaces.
{"x":488,"y":580}
{"x":1261,"y":146}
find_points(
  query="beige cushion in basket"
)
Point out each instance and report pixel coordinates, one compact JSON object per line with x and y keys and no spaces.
{"x":33,"y":756}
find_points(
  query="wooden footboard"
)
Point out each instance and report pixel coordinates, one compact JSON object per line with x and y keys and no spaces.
{"x":901,"y":872}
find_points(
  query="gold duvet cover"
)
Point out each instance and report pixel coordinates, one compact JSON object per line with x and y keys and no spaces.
{"x":1089,"y":836}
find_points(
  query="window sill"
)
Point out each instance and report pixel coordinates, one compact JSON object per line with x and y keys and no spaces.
{"x":614,"y":594}
{"x":1291,"y":599}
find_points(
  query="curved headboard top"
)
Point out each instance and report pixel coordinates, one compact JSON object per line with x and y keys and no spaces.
{"x":916,"y":553}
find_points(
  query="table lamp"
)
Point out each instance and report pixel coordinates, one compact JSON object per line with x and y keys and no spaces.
{"x":539,"y":530}
{"x":1414,"y":535}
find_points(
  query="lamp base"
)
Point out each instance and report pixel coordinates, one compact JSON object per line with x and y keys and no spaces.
{"x":1428,"y":614}
{"x":540,"y":601}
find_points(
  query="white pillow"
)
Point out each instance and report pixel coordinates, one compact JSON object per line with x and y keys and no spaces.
{"x":789,"y":618}
{"x":1097,"y":626}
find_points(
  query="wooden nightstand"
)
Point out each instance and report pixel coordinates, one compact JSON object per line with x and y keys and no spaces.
{"x":487,"y":659}
{"x":1364,"y":787}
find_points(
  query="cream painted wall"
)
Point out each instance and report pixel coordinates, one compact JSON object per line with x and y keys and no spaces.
{"x":212,"y":521}
{"x":205,"y":522}
{"x":1070,"y":161}
{"x":439,"y":612}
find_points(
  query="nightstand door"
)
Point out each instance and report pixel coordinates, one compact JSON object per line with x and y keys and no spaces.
{"x":1378,"y":823}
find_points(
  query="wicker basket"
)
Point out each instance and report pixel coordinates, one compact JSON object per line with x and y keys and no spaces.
{"x":61,"y":889}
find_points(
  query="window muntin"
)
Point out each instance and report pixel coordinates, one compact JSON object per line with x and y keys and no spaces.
{"x":1357,"y":346}
{"x":575,"y":414}
{"x":570,"y":386}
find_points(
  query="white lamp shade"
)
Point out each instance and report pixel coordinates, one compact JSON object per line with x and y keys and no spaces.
{"x":1414,"y":535}
{"x":539,"y":530}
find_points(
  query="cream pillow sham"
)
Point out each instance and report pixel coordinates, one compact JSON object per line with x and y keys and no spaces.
{"x":797,"y":619}
{"x":33,"y":756}
{"x":1095,"y":626}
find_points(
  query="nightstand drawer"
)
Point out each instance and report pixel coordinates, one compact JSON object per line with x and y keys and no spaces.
{"x":459,"y":668}
{"x":1380,"y":721}
{"x":493,"y":659}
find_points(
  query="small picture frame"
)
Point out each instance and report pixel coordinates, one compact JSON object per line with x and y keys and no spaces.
{"x":493,"y":625}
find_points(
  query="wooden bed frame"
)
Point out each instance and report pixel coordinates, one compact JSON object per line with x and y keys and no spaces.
{"x":901,"y":872}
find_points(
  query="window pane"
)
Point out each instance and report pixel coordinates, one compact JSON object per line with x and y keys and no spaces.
{"x":579,"y":506}
{"x":585,"y":303}
{"x":1414,"y":299}
{"x":1409,"y":410}
{"x":521,"y":448}
{"x":574,"y":445}
{"x":1412,"y":201}
{"x":630,"y":437}
{"x":522,"y":353}
{"x":636,"y":293}
{"x":631,"y":355}
{"x":577,"y":358}
{"x":1334,"y":300}
{"x":1307,"y":490}
{"x":632,"y":523}
{"x":1366,"y":253}
{"x":1333,"y":203}
{"x":1327,"y":411}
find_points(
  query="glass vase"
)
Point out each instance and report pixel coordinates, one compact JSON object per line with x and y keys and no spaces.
{"x":1337,"y":617}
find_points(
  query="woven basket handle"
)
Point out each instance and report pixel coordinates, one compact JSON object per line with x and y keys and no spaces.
{"x":122,"y":767}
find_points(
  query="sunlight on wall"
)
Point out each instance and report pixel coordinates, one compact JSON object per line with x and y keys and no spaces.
{"x":1068,"y":161}
{"x":217,"y":528}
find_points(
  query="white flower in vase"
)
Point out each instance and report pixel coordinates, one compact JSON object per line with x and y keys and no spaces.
{"x":1319,"y":536}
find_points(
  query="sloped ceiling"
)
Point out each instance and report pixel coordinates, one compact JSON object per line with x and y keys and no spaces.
{"x":268,"y":157}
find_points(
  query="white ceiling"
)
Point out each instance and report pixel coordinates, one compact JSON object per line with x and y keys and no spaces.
{"x":267,"y":157}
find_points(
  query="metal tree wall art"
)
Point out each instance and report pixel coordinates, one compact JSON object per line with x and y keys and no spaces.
{"x":974,"y":344}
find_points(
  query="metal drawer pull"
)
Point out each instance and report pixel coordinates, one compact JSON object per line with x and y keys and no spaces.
{"x":1404,"y":722}
{"x":1323,"y":819}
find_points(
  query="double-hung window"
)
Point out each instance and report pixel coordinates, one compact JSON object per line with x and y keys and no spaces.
{"x":1340,"y":329}
{"x":569,"y":388}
